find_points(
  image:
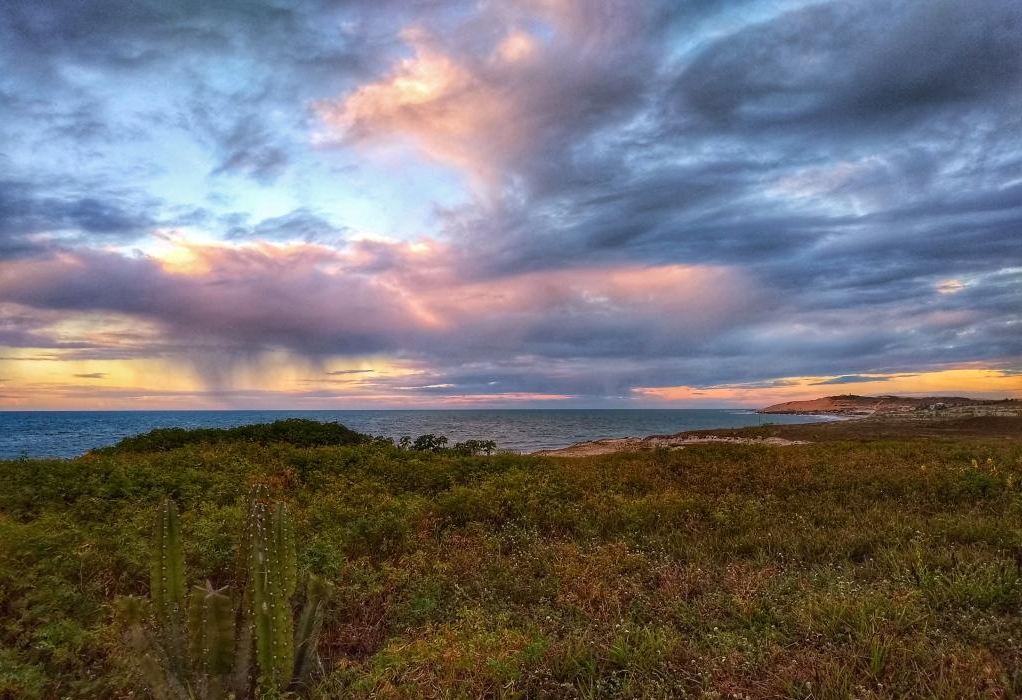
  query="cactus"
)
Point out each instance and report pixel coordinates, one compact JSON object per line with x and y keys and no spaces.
{"x":270,"y":582}
{"x":211,"y":646}
{"x":167,"y":584}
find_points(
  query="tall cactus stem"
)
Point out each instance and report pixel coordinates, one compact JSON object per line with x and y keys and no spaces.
{"x":167,"y":584}
{"x":271,"y":574}
{"x":284,"y":544}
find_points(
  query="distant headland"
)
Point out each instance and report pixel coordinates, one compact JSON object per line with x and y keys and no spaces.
{"x":852,"y":405}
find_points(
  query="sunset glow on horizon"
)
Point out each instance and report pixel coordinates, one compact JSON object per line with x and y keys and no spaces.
{"x":557,"y":203}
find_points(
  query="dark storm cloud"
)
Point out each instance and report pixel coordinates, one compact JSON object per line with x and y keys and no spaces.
{"x":121,"y":35}
{"x":851,"y":379}
{"x":699,"y":181}
{"x":31,"y":213}
{"x":850,"y":64}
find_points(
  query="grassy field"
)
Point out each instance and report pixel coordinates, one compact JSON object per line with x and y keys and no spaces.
{"x":839,"y":569}
{"x":891,"y":427}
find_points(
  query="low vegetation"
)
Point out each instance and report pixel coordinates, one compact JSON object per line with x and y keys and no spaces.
{"x":867,"y":569}
{"x":299,"y":432}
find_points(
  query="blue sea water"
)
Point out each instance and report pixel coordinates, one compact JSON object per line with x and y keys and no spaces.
{"x":71,"y":433}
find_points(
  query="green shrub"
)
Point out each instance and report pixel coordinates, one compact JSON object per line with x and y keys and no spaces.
{"x":298,"y":432}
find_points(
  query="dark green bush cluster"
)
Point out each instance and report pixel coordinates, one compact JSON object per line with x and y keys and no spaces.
{"x":296,"y":432}
{"x":438,"y":443}
{"x":299,"y":432}
{"x":474,"y":447}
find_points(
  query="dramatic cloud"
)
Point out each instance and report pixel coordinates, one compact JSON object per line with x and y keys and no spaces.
{"x":489,"y":107}
{"x":405,"y":299}
{"x":855,"y":63}
{"x":600,"y":202}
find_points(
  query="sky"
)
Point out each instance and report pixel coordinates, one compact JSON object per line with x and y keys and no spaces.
{"x":507,"y":203}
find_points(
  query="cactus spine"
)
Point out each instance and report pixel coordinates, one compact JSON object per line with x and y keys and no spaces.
{"x":208,"y":647}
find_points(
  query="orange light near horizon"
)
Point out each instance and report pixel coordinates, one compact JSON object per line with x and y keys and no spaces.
{"x":974,"y":382}
{"x":510,"y":396}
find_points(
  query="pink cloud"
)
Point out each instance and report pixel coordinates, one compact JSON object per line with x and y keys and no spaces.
{"x":409,"y":299}
{"x":484,"y":97}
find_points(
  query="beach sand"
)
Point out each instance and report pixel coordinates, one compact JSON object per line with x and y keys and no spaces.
{"x":635,"y":444}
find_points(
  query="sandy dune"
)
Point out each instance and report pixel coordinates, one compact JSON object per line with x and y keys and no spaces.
{"x":635,"y":444}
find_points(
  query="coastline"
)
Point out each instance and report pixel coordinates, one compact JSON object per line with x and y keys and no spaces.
{"x":70,"y":434}
{"x":590,"y":448}
{"x":950,"y":424}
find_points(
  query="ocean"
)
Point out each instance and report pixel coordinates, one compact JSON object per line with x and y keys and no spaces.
{"x":71,"y":433}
